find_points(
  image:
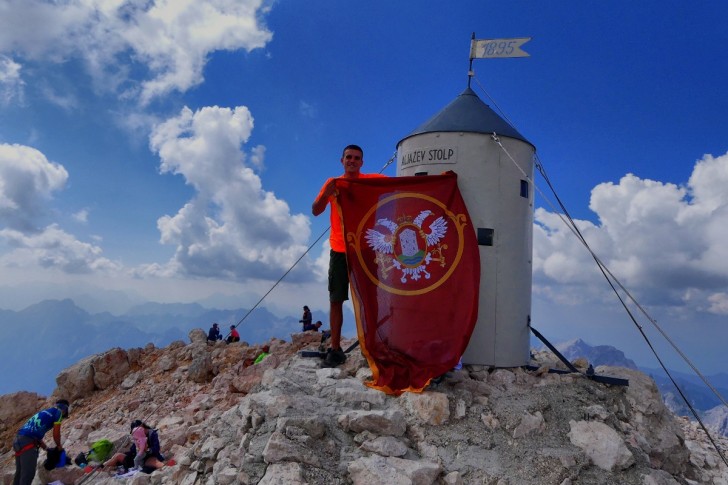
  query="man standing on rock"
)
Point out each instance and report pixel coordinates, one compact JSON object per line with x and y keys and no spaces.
{"x":351,"y":160}
{"x":30,"y":438}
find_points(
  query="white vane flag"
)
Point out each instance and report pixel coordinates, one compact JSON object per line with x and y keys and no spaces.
{"x":497,"y":48}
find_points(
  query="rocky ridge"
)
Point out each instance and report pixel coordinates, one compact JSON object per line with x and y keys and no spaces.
{"x":288,"y":421}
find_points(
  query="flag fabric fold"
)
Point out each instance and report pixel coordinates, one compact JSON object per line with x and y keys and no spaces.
{"x":414,"y":271}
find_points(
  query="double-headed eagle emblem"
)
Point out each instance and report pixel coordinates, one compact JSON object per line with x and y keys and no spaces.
{"x":401,"y":247}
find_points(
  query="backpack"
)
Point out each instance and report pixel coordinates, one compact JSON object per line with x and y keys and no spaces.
{"x":155,"y":448}
{"x":100,"y":450}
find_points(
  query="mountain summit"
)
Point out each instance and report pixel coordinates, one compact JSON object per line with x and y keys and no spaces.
{"x":286,"y":420}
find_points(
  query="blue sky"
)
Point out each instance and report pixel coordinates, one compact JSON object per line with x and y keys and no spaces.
{"x":170,"y":150}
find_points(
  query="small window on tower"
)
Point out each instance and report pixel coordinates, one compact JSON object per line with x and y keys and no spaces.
{"x":524,"y":189}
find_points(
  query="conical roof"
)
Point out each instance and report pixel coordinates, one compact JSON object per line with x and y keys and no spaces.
{"x":467,"y":113}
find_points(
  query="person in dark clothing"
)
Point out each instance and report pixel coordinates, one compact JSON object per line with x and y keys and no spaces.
{"x":312,"y":327}
{"x":307,"y":319}
{"x":30,"y":438}
{"x":214,"y":334}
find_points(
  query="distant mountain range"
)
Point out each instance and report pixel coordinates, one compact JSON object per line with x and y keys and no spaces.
{"x":38,"y":342}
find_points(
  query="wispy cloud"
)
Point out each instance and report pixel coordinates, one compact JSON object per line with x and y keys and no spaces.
{"x":11,"y":83}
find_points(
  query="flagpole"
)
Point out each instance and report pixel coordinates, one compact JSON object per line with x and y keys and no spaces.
{"x":470,"y":67}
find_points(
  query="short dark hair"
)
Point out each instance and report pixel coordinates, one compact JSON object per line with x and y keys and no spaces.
{"x":353,"y":147}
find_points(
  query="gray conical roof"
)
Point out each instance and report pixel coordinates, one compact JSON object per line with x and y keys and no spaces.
{"x":467,"y":113}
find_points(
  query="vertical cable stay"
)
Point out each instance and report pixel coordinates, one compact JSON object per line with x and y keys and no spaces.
{"x":612,"y":281}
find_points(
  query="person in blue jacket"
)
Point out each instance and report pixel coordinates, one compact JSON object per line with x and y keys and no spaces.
{"x":30,"y":438}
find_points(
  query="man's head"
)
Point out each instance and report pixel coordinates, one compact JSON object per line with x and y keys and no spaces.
{"x":232,"y":327}
{"x":318,"y":324}
{"x":305,"y":307}
{"x":64,"y":406}
{"x":352,"y":159}
{"x":266,"y":349}
{"x":214,"y":325}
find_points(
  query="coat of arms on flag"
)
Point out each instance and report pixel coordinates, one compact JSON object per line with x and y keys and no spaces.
{"x":414,"y":269}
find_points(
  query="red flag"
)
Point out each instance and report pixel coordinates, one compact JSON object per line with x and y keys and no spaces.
{"x":414,"y":270}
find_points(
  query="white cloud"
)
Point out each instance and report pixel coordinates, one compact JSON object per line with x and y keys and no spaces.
{"x":665,"y":243}
{"x":11,"y":84}
{"x":169,"y":39}
{"x":81,"y":216}
{"x":257,"y":157}
{"x":232,"y":228}
{"x":53,"y":248}
{"x":27,"y":181}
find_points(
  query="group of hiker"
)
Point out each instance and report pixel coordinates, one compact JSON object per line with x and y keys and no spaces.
{"x":214,"y":334}
{"x":144,"y":454}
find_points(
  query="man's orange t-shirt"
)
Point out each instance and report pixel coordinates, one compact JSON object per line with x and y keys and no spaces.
{"x":336,"y":236}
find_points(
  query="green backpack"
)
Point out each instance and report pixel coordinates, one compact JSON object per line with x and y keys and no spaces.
{"x":100,"y":450}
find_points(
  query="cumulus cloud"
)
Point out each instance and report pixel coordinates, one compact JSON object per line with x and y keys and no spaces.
{"x":232,"y":228}
{"x":166,"y":42}
{"x":664,"y":242}
{"x":53,"y":248}
{"x":27,"y":181}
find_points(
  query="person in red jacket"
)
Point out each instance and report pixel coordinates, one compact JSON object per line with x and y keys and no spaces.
{"x":234,"y":335}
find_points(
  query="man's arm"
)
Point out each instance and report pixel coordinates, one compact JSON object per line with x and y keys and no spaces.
{"x":319,"y":205}
{"x":57,"y":435}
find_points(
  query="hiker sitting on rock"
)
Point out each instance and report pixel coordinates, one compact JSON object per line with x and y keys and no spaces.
{"x":234,"y":335}
{"x":144,"y":454}
{"x":265,"y":353}
{"x":312,"y":327}
{"x":30,"y":438}
{"x":214,"y":334}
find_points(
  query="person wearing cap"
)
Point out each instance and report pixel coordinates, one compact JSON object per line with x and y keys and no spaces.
{"x":214,"y":334}
{"x":30,"y":438}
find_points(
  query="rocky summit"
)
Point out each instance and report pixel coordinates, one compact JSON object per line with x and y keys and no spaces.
{"x":288,"y":421}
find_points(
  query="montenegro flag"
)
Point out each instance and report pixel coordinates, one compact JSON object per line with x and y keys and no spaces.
{"x":414,"y":270}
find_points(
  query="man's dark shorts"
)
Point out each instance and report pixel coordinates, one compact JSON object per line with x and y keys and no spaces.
{"x":338,"y":277}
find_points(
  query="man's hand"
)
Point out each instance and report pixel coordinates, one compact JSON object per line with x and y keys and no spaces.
{"x":319,"y":205}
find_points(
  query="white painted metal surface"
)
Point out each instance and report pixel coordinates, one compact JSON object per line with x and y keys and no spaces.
{"x":492,"y":187}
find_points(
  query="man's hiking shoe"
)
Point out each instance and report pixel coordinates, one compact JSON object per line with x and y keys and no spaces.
{"x":334,"y":358}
